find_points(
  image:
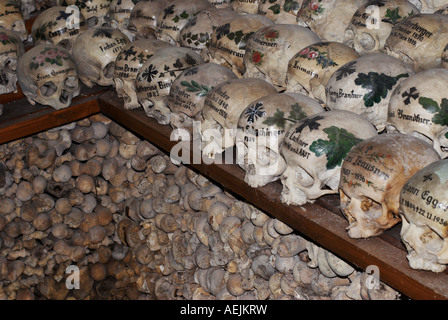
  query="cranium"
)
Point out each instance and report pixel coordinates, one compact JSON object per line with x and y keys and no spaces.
{"x":419,"y":40}
{"x":128,"y":63}
{"x":245,"y":7}
{"x":156,"y":75}
{"x":197,"y":32}
{"x":143,"y":19}
{"x":372,"y":23}
{"x":11,"y":49}
{"x":95,"y":12}
{"x":228,"y":41}
{"x":423,"y":209}
{"x":328,"y":18}
{"x":58,"y":25}
{"x":314,"y":149}
{"x":280,"y":11}
{"x":269,"y":50}
{"x":222,"y":108}
{"x":417,"y":107}
{"x":119,"y":14}
{"x":261,"y":129}
{"x":175,"y":16}
{"x":372,"y":176}
{"x":365,"y":85}
{"x":310,"y":68}
{"x":47,"y":75}
{"x":187,"y":94}
{"x":95,"y":52}
{"x":11,"y":18}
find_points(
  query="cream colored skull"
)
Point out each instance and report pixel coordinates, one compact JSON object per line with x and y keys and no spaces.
{"x":372,"y":176}
{"x":423,"y":209}
{"x":143,"y":19}
{"x":417,"y":107}
{"x":95,"y":52}
{"x":245,"y":7}
{"x":54,"y":26}
{"x":314,"y":149}
{"x":269,"y":50}
{"x":128,"y":63}
{"x":328,"y":18}
{"x":187,"y":94}
{"x":119,"y":15}
{"x":261,"y":129}
{"x":197,"y":32}
{"x":419,"y":40}
{"x":11,"y":18}
{"x":365,"y":85}
{"x":175,"y":16}
{"x":228,"y":41}
{"x":429,"y":6}
{"x":372,"y":23}
{"x":222,"y":108}
{"x":280,"y":11}
{"x":47,"y":75}
{"x":11,"y":49}
{"x":155,"y":77}
{"x":95,"y":12}
{"x":310,"y":68}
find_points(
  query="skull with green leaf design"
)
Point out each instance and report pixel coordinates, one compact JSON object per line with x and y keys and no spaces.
{"x":261,"y":129}
{"x":314,"y":149}
{"x":419,"y":107}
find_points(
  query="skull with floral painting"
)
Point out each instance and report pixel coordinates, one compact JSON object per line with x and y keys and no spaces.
{"x":128,"y":63}
{"x":11,"y":49}
{"x":143,"y":19}
{"x":58,"y":25}
{"x":269,"y":50}
{"x":372,"y":176}
{"x":280,"y":11}
{"x":310,"y":68}
{"x":419,"y":107}
{"x":364,"y":86}
{"x":47,"y":75}
{"x":11,"y":18}
{"x":314,"y":149}
{"x":261,"y":129}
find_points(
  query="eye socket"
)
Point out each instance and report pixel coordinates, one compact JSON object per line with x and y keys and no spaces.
{"x":367,"y":42}
{"x":92,"y":22}
{"x":109,"y":70}
{"x":11,"y":64}
{"x":66,"y":44}
{"x":71,"y":82}
{"x":48,"y":89}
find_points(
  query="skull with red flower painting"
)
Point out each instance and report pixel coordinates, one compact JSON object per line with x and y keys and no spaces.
{"x":269,"y":50}
{"x":372,"y":176}
{"x":11,"y":48}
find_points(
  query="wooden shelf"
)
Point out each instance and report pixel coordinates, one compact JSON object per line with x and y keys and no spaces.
{"x":321,"y":221}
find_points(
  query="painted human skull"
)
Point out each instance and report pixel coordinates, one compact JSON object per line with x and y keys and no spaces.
{"x":245,"y":7}
{"x":372,"y":23}
{"x":328,"y":18}
{"x":95,"y":52}
{"x":156,"y":76}
{"x":314,"y":149}
{"x":11,"y":18}
{"x":365,"y":85}
{"x":280,"y":11}
{"x":269,"y":50}
{"x":223,"y":106}
{"x":418,"y":107}
{"x":372,"y":176}
{"x":47,"y":75}
{"x":175,"y":16}
{"x":423,"y":210}
{"x":261,"y":129}
{"x":128,"y":63}
{"x":419,"y":40}
{"x":58,"y":25}
{"x":187,"y":94}
{"x":143,"y":19}
{"x":197,"y":32}
{"x":95,"y":12}
{"x":228,"y":41}
{"x":310,"y":68}
{"x":11,"y":49}
{"x":119,"y":15}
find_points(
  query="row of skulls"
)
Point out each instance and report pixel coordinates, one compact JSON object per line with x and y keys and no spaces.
{"x":325,"y":96}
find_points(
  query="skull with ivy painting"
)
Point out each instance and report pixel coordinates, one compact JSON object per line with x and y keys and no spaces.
{"x":364,"y":86}
{"x":261,"y":129}
{"x":314,"y":149}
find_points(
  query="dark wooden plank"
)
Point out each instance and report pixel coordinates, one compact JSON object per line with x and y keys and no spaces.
{"x":318,"y":221}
